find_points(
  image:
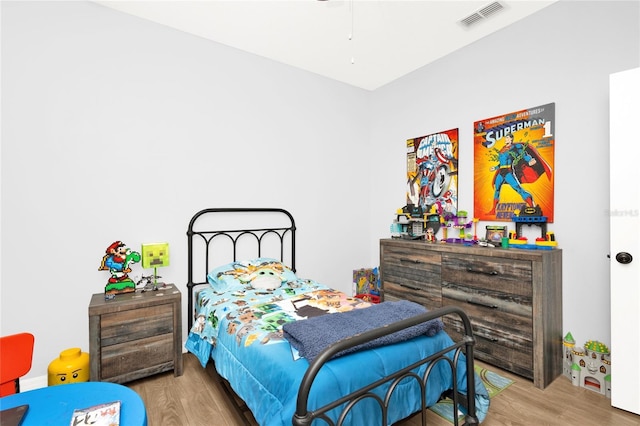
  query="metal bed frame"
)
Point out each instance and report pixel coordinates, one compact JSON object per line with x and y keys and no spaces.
{"x":304,"y":415}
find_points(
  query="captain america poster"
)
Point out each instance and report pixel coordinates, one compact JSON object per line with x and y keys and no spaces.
{"x":432,"y":172}
{"x":513,"y":163}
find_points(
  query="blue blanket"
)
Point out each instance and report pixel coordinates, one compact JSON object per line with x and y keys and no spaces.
{"x":311,"y":336}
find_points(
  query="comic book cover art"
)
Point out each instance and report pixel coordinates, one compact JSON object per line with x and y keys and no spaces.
{"x":97,"y":415}
{"x":513,"y":163}
{"x":432,"y":172}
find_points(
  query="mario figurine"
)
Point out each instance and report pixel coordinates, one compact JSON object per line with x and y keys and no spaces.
{"x":117,"y":260}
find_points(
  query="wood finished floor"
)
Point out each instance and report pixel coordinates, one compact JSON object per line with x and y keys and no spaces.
{"x":197,"y":399}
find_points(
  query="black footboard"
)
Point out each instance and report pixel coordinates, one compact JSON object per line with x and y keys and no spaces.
{"x":304,"y":417}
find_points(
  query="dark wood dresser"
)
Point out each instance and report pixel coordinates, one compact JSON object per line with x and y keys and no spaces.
{"x":135,"y":335}
{"x":512,"y":296}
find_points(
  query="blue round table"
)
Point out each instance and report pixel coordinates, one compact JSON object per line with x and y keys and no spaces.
{"x":54,"y":405}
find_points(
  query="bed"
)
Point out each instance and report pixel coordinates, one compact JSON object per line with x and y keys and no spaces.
{"x":296,"y":351}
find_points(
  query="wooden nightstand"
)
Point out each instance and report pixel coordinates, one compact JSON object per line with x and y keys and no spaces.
{"x":135,"y":335}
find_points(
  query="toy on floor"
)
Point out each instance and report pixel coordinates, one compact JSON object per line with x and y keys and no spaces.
{"x":588,"y":367}
{"x":366,"y":284}
{"x":72,"y":366}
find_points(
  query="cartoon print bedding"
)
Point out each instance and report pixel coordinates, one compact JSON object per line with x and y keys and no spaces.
{"x":239,"y":321}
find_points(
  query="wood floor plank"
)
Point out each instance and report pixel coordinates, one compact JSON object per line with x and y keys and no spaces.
{"x":197,"y":399}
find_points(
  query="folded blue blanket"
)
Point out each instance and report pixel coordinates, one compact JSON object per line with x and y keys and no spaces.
{"x":311,"y":336}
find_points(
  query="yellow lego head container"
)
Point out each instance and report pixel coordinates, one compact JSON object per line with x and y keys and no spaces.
{"x":71,"y":366}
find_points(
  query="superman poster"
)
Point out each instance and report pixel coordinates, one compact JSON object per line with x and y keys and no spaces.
{"x":513,"y":163}
{"x":432,"y":172}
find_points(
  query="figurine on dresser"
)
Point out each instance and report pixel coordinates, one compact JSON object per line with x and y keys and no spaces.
{"x":117,"y":260}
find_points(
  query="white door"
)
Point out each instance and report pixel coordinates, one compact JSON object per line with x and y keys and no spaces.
{"x":624,"y":221}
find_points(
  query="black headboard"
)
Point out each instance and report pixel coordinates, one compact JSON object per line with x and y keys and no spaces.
{"x":238,"y":234}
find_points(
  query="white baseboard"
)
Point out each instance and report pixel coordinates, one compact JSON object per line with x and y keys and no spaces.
{"x":33,"y":383}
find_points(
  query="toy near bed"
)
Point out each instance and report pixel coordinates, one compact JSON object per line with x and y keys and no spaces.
{"x":298,"y":352}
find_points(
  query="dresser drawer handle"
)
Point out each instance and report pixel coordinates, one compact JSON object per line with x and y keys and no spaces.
{"x":478,"y":271}
{"x":409,"y":287}
{"x":416,"y":261}
{"x":471,"y":302}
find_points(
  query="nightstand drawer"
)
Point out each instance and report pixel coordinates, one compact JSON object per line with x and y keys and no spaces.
{"x":135,"y":324}
{"x":124,"y":358}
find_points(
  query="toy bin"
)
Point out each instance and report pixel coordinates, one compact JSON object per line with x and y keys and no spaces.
{"x":71,"y":366}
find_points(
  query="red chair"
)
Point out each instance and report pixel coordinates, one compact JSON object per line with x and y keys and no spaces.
{"x":16,"y":354}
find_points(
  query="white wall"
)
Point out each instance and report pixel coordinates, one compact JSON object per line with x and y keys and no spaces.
{"x":562,"y":54}
{"x":118,"y":128}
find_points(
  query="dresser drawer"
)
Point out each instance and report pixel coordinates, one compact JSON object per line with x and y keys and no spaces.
{"x":511,"y":276}
{"x":502,"y":324}
{"x":411,"y":274}
{"x":497,"y":296}
{"x":512,"y":353}
{"x":490,"y":308}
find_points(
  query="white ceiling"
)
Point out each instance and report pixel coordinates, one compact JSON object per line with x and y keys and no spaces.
{"x":363,"y":43}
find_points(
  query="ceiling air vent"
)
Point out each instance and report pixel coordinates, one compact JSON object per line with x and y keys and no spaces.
{"x":481,"y":14}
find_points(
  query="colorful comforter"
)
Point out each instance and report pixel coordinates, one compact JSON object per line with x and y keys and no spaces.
{"x":239,"y":321}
